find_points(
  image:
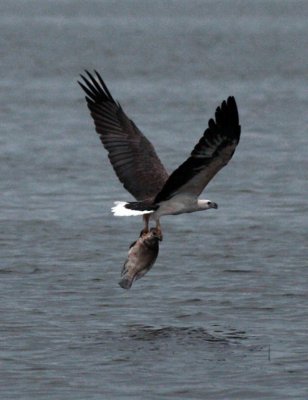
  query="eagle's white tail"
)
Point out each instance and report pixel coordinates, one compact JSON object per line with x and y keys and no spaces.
{"x":119,"y":210}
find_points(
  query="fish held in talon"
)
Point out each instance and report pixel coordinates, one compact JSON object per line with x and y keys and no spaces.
{"x":141,"y":257}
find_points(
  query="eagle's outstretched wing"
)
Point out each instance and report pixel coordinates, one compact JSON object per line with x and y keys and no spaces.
{"x":213,"y":152}
{"x":131,"y":154}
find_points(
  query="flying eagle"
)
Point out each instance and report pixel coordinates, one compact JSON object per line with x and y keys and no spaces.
{"x":138,"y":167}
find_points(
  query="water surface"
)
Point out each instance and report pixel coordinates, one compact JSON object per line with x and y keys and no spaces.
{"x":223,"y":313}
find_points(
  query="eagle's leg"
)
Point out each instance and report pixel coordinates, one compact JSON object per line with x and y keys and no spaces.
{"x":158,"y":228}
{"x":146,"y":219}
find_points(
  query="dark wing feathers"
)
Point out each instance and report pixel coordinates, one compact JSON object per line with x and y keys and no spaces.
{"x":131,"y":154}
{"x":212,"y":153}
{"x":134,"y":158}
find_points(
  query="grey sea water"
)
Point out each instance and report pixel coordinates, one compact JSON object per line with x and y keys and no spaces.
{"x":223,"y":313}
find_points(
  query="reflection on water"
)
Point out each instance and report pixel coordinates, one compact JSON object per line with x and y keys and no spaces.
{"x":180,"y":334}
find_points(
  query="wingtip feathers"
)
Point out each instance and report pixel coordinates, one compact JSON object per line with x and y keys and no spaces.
{"x":226,"y":113}
{"x":95,"y":87}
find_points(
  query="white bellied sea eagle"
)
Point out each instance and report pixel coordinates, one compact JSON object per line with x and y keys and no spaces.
{"x":138,"y":167}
